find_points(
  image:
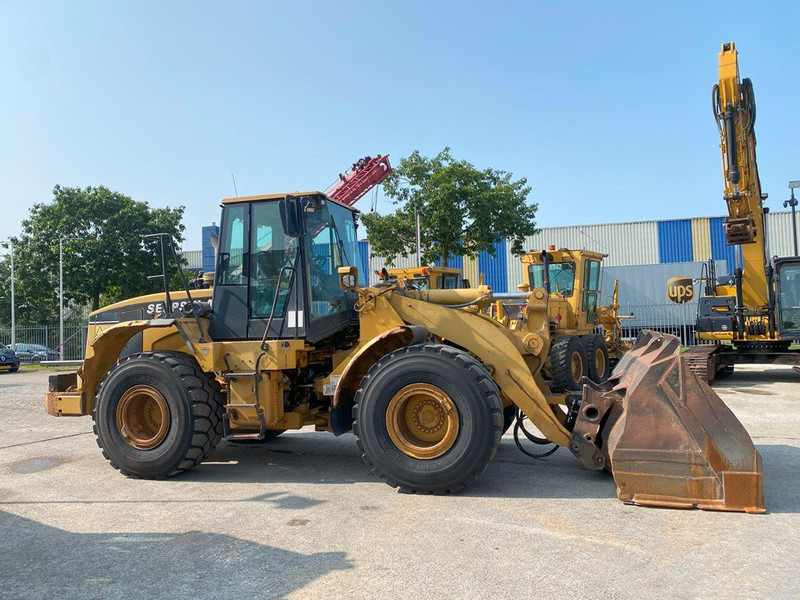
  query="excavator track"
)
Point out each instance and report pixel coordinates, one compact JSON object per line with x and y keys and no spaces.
{"x":701,"y":361}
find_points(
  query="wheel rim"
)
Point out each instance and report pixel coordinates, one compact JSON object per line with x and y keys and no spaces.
{"x":577,"y":367}
{"x":599,"y":362}
{"x":422,"y":421}
{"x":143,"y":417}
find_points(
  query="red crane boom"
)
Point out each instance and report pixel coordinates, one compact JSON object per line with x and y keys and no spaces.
{"x":365,"y":174}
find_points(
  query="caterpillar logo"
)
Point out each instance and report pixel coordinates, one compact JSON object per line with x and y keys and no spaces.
{"x":680,"y":289}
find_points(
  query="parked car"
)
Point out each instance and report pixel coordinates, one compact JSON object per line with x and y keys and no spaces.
{"x":33,"y":353}
{"x":8,"y":359}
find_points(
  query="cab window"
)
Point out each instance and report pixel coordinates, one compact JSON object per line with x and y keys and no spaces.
{"x":273,"y":256}
{"x":591,"y":290}
{"x":562,"y":277}
{"x":232,"y":251}
{"x":330,"y":243}
{"x":789,"y":298}
{"x":450,"y":281}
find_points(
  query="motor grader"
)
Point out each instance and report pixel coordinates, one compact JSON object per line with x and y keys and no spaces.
{"x":421,"y":378}
{"x":577,"y":350}
{"x":426,"y":278}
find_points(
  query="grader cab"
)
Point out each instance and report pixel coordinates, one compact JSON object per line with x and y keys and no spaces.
{"x":422,"y":378}
{"x":425,"y":278}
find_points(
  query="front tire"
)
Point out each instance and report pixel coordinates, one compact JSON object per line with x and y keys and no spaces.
{"x":568,"y":364}
{"x":157,"y":414}
{"x":597,"y":354}
{"x":428,"y":419}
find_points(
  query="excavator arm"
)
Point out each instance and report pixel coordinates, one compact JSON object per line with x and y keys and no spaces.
{"x":735,"y":112}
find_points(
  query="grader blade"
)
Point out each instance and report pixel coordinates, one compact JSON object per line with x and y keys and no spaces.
{"x":666,"y":436}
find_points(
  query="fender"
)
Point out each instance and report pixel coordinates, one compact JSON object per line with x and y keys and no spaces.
{"x":398,"y":337}
{"x":101,"y":353}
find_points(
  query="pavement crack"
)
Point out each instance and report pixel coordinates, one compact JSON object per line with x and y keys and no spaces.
{"x":60,"y":437}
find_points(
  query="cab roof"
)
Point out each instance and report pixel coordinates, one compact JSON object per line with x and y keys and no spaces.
{"x":283,"y":195}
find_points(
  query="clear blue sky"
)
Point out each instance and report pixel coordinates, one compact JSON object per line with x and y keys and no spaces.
{"x":604,"y":106}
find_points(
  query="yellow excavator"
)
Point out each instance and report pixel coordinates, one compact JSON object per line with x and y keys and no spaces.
{"x":755,"y":317}
{"x":422,"y":378}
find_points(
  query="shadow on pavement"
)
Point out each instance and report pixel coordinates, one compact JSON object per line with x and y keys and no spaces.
{"x":319,"y":458}
{"x":781,"y":465}
{"x":747,"y":379}
{"x":39,"y":561}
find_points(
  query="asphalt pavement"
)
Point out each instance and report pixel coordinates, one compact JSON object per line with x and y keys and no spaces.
{"x":302,"y":517}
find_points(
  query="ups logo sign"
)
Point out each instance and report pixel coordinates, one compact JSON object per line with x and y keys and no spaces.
{"x":680,"y":289}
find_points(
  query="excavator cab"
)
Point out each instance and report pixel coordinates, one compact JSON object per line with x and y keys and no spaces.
{"x":277,"y":265}
{"x":787,"y":288}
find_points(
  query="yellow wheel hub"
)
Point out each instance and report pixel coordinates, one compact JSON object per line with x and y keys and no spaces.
{"x":422,"y":421}
{"x":577,"y":367}
{"x":599,"y":362}
{"x":143,"y":417}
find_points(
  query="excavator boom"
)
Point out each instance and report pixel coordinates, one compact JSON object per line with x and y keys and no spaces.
{"x":735,"y":112}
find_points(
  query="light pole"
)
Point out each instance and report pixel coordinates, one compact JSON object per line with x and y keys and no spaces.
{"x":61,"y":240}
{"x":793,"y":203}
{"x":10,"y":245}
{"x":60,"y":297}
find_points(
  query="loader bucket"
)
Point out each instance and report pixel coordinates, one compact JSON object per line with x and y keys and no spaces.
{"x":666,"y":436}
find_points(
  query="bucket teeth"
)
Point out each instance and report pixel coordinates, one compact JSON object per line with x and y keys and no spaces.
{"x":666,"y":436}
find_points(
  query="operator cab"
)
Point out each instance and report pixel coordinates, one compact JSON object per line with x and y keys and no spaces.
{"x":277,"y":267}
{"x":787,"y":288}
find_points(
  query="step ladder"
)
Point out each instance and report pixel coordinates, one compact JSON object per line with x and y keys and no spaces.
{"x":230,"y":406}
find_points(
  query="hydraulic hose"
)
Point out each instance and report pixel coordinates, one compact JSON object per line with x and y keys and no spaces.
{"x":520,"y":425}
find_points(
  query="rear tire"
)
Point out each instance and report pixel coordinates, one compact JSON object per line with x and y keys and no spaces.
{"x":452,"y":400}
{"x":157,"y":414}
{"x":568,"y":364}
{"x":597,"y":355}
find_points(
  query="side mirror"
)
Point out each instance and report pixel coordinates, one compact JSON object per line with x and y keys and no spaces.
{"x":292,"y":216}
{"x":348,"y":278}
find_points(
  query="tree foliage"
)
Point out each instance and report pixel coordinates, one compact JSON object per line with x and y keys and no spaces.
{"x":105,"y":257}
{"x":462,"y":209}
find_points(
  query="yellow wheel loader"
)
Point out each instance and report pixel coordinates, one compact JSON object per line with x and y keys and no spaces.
{"x":421,"y":378}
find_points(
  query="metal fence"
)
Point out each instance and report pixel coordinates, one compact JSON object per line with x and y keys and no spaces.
{"x":48,"y":336}
{"x":676,"y":319}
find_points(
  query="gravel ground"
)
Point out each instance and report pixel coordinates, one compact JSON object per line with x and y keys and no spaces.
{"x":302,"y":517}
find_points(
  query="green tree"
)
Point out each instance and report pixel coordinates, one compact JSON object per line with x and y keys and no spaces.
{"x":462,"y":209}
{"x":105,"y":257}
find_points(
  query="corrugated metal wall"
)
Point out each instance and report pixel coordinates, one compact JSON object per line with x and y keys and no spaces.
{"x":208,"y":249}
{"x":363,"y":262}
{"x":675,"y":241}
{"x":720,"y":250}
{"x":194,"y":259}
{"x":701,"y":240}
{"x":453,"y":261}
{"x":471,"y":270}
{"x":779,"y":230}
{"x":494,"y":268}
{"x":625,"y":244}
